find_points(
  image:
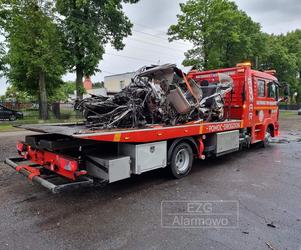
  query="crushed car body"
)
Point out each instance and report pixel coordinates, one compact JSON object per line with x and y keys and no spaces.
{"x":158,"y":95}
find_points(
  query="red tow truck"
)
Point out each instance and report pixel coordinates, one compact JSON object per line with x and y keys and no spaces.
{"x":68,"y":156}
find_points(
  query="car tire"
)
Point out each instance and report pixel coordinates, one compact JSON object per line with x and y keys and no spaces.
{"x":12,"y":118}
{"x":181,"y":160}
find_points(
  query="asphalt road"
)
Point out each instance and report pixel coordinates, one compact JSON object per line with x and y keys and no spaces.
{"x":127,"y":214}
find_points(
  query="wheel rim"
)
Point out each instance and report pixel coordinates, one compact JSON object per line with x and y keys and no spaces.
{"x":12,"y":117}
{"x":182,"y":161}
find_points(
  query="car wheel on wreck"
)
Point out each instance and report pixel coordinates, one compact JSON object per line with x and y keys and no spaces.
{"x":181,"y":160}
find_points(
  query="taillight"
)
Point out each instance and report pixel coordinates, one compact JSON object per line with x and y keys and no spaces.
{"x":21,"y":147}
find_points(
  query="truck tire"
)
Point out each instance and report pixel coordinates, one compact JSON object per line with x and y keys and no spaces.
{"x":267,"y":138}
{"x":181,"y":160}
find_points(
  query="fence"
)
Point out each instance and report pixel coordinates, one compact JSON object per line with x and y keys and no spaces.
{"x":57,"y":111}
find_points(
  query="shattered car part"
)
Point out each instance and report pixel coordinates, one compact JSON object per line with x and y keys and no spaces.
{"x":157,"y":95}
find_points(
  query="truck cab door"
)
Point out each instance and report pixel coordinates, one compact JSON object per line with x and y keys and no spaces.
{"x":261,"y":111}
{"x":261,"y":108}
{"x":274,"y":97}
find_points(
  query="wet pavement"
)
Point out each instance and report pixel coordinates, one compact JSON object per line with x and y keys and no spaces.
{"x":127,"y":214}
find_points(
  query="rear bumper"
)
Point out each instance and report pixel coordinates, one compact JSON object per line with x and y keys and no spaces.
{"x":51,"y":181}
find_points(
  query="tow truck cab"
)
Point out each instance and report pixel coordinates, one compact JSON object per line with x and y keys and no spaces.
{"x":254,"y":99}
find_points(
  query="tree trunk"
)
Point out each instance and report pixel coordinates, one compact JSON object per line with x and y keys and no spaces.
{"x":205,"y":59}
{"x":205,"y":54}
{"x":43,"y":97}
{"x":79,"y":83}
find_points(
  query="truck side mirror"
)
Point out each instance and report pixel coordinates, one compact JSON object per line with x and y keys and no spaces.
{"x":282,"y":99}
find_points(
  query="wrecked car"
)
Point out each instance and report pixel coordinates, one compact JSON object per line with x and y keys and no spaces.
{"x":158,"y":95}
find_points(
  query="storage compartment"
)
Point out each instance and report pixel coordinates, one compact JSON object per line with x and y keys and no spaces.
{"x":109,"y":168}
{"x":145,"y":157}
{"x":222,"y":143}
{"x":227,"y":142}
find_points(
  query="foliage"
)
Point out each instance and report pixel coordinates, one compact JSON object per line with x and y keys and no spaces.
{"x":292,"y":41}
{"x":98,"y":85}
{"x":2,"y":61}
{"x":88,"y":26}
{"x":73,"y":35}
{"x":35,"y":53}
{"x":2,"y":49}
{"x":222,"y":34}
{"x":34,"y":46}
{"x":283,"y":54}
{"x":62,"y":93}
{"x":13,"y":93}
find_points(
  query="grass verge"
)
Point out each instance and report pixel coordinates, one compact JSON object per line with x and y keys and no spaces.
{"x":6,"y":126}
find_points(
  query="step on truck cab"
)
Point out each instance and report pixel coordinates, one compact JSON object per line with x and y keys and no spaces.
{"x":70,"y":155}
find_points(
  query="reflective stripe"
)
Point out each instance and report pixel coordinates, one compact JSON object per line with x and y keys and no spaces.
{"x":201,"y":129}
{"x":117,"y":137}
{"x":266,"y":107}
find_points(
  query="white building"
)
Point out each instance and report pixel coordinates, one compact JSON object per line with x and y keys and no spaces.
{"x":98,"y":91}
{"x":115,"y":83}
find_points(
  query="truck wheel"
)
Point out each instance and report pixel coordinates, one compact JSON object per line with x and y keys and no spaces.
{"x":267,"y":138}
{"x":12,"y":118}
{"x":181,"y":160}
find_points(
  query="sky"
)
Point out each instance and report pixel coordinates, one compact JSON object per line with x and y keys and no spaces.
{"x":149,"y":42}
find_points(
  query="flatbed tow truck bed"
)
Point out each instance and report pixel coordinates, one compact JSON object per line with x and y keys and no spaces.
{"x":148,"y":134}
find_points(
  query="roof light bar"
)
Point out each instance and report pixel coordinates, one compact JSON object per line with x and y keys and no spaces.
{"x":244,"y":64}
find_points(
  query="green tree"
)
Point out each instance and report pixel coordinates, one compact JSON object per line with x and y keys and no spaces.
{"x":63,"y":91}
{"x":279,"y":58}
{"x":88,"y":26}
{"x":292,"y":41}
{"x":221,"y":34}
{"x":98,"y":85}
{"x":2,"y":49}
{"x":2,"y":61}
{"x":284,"y":55}
{"x":35,"y":54}
{"x":13,"y":93}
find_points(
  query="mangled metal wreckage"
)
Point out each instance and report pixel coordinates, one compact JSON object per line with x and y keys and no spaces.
{"x":158,"y":95}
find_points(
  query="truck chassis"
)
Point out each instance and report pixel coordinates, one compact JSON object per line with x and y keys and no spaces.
{"x":61,"y":162}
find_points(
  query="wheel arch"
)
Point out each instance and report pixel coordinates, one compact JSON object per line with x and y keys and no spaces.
{"x":269,"y":123}
{"x":272,"y":129}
